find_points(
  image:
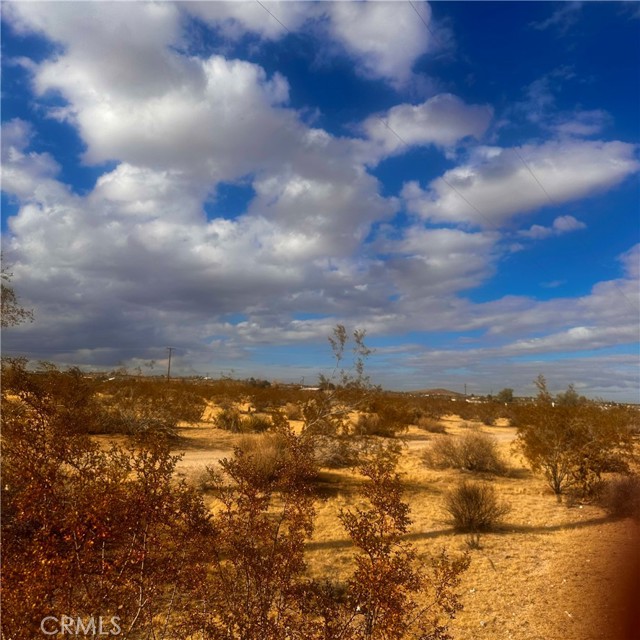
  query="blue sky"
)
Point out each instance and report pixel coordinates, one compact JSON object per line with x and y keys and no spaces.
{"x":234,"y":179}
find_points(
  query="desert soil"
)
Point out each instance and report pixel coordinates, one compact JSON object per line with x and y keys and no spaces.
{"x":552,"y":572}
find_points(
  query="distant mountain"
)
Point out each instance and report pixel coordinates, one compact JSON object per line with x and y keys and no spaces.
{"x":440,"y":392}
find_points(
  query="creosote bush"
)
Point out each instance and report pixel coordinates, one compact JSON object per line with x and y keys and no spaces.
{"x":574,"y":442}
{"x":473,"y":451}
{"x":87,"y":530}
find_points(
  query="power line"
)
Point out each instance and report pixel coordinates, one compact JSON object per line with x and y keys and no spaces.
{"x":274,"y":17}
{"x":425,"y":23}
{"x":533,"y":175}
{"x":460,"y":195}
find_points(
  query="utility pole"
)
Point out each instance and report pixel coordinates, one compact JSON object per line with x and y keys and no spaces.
{"x":170,"y":350}
{"x":465,"y":388}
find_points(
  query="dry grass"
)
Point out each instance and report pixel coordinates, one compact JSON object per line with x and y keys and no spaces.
{"x":549,"y":573}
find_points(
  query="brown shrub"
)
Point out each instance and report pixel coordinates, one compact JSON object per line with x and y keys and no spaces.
{"x":473,"y":451}
{"x":293,"y":411}
{"x":229,"y":419}
{"x":431,"y":425}
{"x":267,"y":454}
{"x":620,"y":496}
{"x":474,"y":507}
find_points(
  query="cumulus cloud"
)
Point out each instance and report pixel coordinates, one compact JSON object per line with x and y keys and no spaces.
{"x":631,"y":262}
{"x":271,"y":21}
{"x":499,"y":183}
{"x":562,"y":224}
{"x":384,"y":38}
{"x":137,"y":262}
{"x":426,"y":262}
{"x":442,"y":120}
{"x":24,"y":172}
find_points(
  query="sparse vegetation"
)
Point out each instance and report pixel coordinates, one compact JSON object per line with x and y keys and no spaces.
{"x":431,"y":425}
{"x":87,"y":524}
{"x":475,"y":508}
{"x":620,"y":496}
{"x":573,"y":444}
{"x":472,"y":451}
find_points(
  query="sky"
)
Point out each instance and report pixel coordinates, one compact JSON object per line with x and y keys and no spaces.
{"x":233,"y":180}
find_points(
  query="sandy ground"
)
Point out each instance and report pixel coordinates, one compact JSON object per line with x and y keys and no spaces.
{"x":552,"y":572}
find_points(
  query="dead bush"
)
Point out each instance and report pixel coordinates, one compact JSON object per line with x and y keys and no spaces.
{"x":620,"y":496}
{"x":267,"y":454}
{"x":474,"y":507}
{"x":293,"y":411}
{"x":256,"y":423}
{"x":229,"y":419}
{"x":473,"y":451}
{"x":336,"y":453}
{"x":375,"y":424}
{"x":431,"y":425}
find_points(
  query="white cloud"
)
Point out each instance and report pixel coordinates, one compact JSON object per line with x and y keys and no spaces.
{"x":385,"y":38}
{"x":135,"y":263}
{"x":631,"y":262}
{"x":562,"y":18}
{"x":426,"y":262}
{"x":442,"y":120}
{"x":24,"y":172}
{"x":581,"y":123}
{"x":234,"y":19}
{"x":495,"y":184}
{"x":562,"y":224}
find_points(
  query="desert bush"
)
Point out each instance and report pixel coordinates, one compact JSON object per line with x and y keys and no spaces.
{"x":229,"y":419}
{"x":266,"y":453}
{"x":88,"y":530}
{"x":431,"y":425}
{"x":488,"y":412}
{"x":255,"y":587}
{"x":337,"y":452}
{"x":395,"y":595}
{"x":573,"y":444}
{"x":474,"y":507}
{"x":473,"y":451}
{"x":293,"y":411}
{"x":373,"y":424}
{"x":620,"y":496}
{"x":256,"y":423}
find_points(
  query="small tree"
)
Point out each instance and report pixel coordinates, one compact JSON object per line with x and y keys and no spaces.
{"x":12,"y":313}
{"x":391,"y":594}
{"x":506,"y":395}
{"x":573,"y":444}
{"x":570,"y":397}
